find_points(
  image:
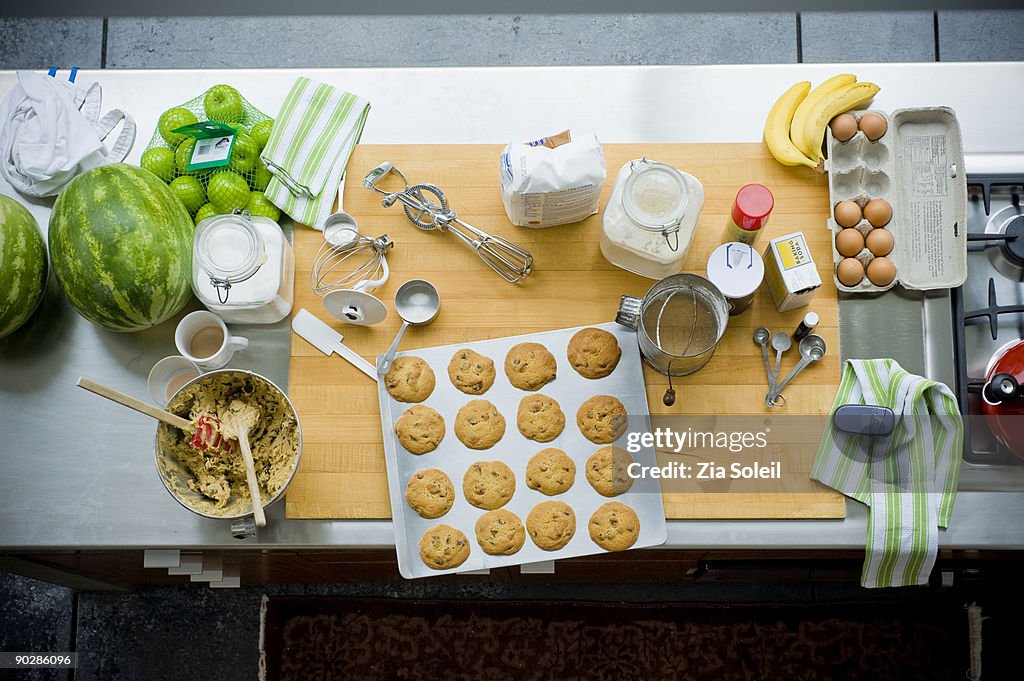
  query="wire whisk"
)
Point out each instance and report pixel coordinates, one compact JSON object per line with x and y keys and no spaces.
{"x":348,"y":259}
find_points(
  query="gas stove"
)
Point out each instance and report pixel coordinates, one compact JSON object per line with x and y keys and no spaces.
{"x":988,"y":310}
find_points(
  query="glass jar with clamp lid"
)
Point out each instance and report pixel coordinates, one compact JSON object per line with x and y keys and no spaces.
{"x":650,"y":218}
{"x":243,"y":268}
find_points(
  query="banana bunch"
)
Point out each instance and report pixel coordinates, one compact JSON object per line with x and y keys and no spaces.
{"x":796,"y":123}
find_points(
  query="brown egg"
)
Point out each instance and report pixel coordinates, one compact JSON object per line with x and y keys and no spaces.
{"x":843,"y":126}
{"x":873,"y":126}
{"x":847,"y":213}
{"x":878,"y":212}
{"x":849,"y":242}
{"x":879,"y":241}
{"x":881,"y":271}
{"x":850,"y":272}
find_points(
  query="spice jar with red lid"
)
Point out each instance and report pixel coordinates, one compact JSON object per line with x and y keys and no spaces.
{"x":750,"y":211}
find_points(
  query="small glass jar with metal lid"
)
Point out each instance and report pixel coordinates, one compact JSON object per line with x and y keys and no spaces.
{"x":650,"y":218}
{"x":243,"y":268}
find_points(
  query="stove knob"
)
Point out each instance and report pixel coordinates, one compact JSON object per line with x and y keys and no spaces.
{"x":1002,"y":387}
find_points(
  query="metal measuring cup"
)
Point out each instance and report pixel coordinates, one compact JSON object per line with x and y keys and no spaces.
{"x":678,"y":323}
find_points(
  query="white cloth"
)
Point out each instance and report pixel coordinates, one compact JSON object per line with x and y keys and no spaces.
{"x":52,"y":131}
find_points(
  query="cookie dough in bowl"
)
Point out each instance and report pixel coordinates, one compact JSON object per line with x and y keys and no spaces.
{"x":212,"y":483}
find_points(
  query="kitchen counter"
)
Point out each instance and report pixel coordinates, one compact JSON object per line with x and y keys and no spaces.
{"x":79,"y":471}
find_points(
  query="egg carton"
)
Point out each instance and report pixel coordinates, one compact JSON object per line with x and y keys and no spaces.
{"x":918,"y":167}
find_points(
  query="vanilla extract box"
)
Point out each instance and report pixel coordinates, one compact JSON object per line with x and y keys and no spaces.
{"x":790,"y":272}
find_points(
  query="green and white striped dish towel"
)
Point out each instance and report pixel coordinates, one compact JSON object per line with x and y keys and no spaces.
{"x":908,"y":479}
{"x":313,"y":136}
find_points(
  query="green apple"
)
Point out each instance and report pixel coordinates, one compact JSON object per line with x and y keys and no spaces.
{"x":261,"y":132}
{"x":183,"y":154}
{"x":207,"y":210}
{"x":173,"y":119}
{"x":223,"y":104}
{"x":261,"y":178}
{"x":190,"y":191}
{"x":260,"y":205}
{"x":228,"y":191}
{"x":160,"y":162}
{"x":244,"y":154}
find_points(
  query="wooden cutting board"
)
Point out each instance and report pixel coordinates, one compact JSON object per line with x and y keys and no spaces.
{"x":342,"y":471}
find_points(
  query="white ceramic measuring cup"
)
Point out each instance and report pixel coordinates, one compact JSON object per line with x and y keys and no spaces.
{"x":205,"y":322}
{"x":167,"y":376}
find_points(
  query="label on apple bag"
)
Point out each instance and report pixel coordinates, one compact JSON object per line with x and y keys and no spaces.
{"x":214,"y":144}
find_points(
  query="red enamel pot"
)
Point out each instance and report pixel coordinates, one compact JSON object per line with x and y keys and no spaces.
{"x":1003,"y":396}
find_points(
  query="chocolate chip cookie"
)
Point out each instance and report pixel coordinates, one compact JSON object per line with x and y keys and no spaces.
{"x":602,"y":419}
{"x":471,"y":372}
{"x":442,"y":547}
{"x":540,"y":418}
{"x":614,"y":526}
{"x":420,"y":429}
{"x":529,"y":366}
{"x":551,"y":524}
{"x":607,"y":471}
{"x":488,"y":484}
{"x":479,"y":425}
{"x":500,"y":533}
{"x":550,"y":471}
{"x":593,"y":353}
{"x":409,"y":379}
{"x":430,"y":493}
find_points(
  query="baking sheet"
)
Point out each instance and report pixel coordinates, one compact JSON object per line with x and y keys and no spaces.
{"x":570,"y":390}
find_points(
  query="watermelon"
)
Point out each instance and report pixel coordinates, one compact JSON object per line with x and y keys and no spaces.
{"x":121,"y":247}
{"x":22,"y":265}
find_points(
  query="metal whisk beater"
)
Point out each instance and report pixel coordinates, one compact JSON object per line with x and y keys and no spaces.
{"x":426,"y":207}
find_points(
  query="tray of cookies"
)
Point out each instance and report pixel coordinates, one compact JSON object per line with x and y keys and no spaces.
{"x":515,"y":450}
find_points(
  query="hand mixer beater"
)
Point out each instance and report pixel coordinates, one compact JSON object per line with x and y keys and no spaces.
{"x":427,"y":208}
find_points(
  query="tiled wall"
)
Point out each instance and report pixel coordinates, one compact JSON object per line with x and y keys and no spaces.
{"x":507,"y":39}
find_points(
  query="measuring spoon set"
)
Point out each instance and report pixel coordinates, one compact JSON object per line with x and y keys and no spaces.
{"x":811,"y":347}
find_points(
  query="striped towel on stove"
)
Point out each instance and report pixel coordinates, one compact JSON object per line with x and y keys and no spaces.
{"x":908,"y":479}
{"x":314,"y":134}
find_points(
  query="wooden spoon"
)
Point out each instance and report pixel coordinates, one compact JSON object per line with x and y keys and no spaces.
{"x":138,"y":405}
{"x":237,"y":421}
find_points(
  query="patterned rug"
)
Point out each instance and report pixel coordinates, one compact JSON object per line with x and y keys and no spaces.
{"x":322,"y":639}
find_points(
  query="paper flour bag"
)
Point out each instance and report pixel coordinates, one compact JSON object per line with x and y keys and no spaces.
{"x":554,"y":180}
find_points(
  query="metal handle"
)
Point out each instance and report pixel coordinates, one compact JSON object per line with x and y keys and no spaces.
{"x":629,"y":312}
{"x":244,"y":527}
{"x":385,"y":362}
{"x":773,"y":395}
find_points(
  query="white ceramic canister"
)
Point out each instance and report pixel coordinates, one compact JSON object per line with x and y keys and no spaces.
{"x":650,"y":218}
{"x":243,"y":268}
{"x":737,"y":270}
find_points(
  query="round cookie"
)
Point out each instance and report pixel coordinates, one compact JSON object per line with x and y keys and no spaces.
{"x":471,"y":372}
{"x":529,"y":366}
{"x":540,"y":418}
{"x":593,"y":353}
{"x":430,"y":493}
{"x":419,"y":429}
{"x":551,"y":524}
{"x":488,"y":484}
{"x":500,"y":533}
{"x":442,"y":547}
{"x":607,"y":471}
{"x":409,"y":379}
{"x":479,"y":424}
{"x":614,"y":526}
{"x":602,"y":419}
{"x":550,"y":471}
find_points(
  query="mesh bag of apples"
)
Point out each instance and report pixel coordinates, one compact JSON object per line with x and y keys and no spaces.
{"x":214,"y":191}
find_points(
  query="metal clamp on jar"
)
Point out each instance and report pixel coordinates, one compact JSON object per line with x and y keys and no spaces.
{"x":678,"y":323}
{"x":650,"y":218}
